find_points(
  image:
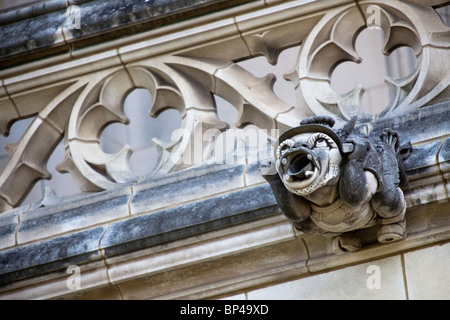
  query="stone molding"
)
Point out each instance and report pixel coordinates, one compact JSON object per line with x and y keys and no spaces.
{"x":102,"y":21}
{"x":114,"y":247}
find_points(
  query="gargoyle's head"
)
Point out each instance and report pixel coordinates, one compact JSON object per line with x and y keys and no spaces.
{"x":308,"y":157}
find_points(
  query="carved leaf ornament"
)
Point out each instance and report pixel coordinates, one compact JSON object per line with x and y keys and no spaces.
{"x":186,"y":80}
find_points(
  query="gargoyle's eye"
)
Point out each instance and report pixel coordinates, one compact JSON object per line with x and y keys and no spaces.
{"x":286,"y":144}
{"x":321,"y":143}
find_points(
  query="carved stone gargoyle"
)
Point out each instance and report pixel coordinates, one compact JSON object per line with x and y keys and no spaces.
{"x":334,"y":182}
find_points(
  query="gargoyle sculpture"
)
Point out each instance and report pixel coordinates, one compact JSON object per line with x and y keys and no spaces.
{"x":335,"y":182}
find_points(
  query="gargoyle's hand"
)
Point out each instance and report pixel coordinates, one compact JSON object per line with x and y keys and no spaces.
{"x":390,"y":137}
{"x":268,"y":170}
{"x":360,"y":148}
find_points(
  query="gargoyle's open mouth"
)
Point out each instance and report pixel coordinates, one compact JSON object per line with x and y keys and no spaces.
{"x":301,"y":167}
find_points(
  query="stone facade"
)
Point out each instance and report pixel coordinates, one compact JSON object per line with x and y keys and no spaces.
{"x":204,"y":224}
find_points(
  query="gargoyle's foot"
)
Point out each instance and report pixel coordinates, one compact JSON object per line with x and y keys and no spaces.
{"x":392,"y":228}
{"x":392,"y":232}
{"x":346,"y":242}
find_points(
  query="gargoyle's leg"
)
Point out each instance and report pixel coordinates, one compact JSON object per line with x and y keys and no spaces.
{"x":346,"y":242}
{"x":293,"y":207}
{"x":390,"y":207}
{"x":389,"y":202}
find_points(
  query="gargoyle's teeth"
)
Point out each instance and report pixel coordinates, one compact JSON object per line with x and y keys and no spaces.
{"x":309,"y":157}
{"x":308,"y":174}
{"x":289,"y":178}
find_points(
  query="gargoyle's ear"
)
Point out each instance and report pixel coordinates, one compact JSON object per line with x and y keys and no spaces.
{"x":347,"y":129}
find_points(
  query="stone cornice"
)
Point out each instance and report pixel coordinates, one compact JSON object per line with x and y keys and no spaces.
{"x":39,"y":30}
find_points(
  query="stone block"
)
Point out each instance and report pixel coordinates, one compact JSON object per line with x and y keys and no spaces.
{"x":423,"y":156}
{"x":422,"y":161}
{"x":428,"y":273}
{"x":188,"y":220}
{"x":73,"y":213}
{"x":210,"y":265}
{"x":235,"y":297}
{"x":254,"y":160}
{"x":252,"y":174}
{"x":444,"y":159}
{"x":185,"y":186}
{"x":109,"y":292}
{"x":418,"y":126}
{"x":435,"y":216}
{"x":424,"y":170}
{"x":378,"y":279}
{"x":26,"y":35}
{"x":61,"y":283}
{"x":49,"y":255}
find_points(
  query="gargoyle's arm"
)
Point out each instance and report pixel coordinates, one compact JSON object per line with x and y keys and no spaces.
{"x":356,"y":185}
{"x":294,"y":207}
{"x":358,"y":181}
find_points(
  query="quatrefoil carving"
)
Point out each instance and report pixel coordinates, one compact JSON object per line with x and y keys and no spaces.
{"x":375,"y":76}
{"x":332,"y":42}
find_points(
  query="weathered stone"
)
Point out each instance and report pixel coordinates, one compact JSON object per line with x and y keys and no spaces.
{"x":49,"y":255}
{"x":422,"y":162}
{"x":428,"y":268}
{"x":73,"y":213}
{"x":188,"y":220}
{"x":205,"y":181}
{"x":41,"y":25}
{"x":191,"y":230}
{"x":8,"y":226}
{"x":444,"y":158}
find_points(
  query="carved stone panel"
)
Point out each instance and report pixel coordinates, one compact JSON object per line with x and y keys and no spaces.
{"x":334,"y":182}
{"x":76,"y":99}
